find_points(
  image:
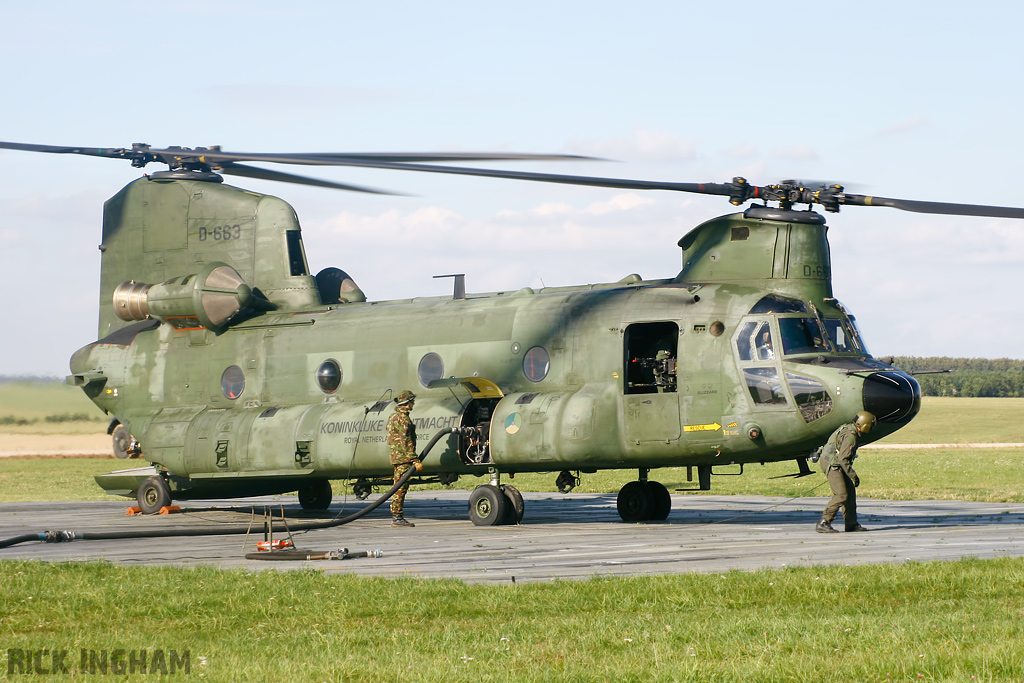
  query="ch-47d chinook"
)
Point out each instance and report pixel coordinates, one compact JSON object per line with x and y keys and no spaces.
{"x":239,"y":373}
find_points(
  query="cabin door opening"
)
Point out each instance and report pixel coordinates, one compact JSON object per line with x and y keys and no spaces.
{"x":650,"y":400}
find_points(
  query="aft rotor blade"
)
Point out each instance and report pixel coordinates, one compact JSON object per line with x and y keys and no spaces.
{"x":267,"y":174}
{"x":304,"y":157}
{"x":594,"y":181}
{"x":111,"y":152}
{"x":365,"y":160}
{"x":944,"y":208}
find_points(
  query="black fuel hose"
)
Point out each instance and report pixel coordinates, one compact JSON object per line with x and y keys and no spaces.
{"x":65,"y":536}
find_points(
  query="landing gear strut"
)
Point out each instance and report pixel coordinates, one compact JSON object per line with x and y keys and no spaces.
{"x":643,"y":500}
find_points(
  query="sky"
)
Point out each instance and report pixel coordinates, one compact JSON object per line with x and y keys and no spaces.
{"x":906,"y":100}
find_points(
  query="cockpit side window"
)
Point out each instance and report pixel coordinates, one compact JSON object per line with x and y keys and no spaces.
{"x":764,"y":386}
{"x":755,"y":343}
{"x":811,"y":397}
{"x":745,"y":341}
{"x":763,"y":342}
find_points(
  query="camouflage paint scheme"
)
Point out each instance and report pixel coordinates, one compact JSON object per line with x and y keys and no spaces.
{"x":162,"y":379}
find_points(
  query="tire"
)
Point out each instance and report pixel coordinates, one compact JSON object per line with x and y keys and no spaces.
{"x":487,"y":506}
{"x":361,"y":489}
{"x":662,"y":500}
{"x":515,"y":506}
{"x":122,"y":439}
{"x":635,"y":502}
{"x":153,"y":494}
{"x":316,"y":495}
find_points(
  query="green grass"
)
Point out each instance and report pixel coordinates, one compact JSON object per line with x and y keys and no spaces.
{"x":964,"y":420}
{"x":958,"y":621}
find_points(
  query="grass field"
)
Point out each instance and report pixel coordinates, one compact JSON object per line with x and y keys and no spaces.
{"x":956,"y":621}
{"x":48,"y":408}
{"x":964,"y":420}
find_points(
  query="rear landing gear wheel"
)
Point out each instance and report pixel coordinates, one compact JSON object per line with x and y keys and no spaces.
{"x":487,"y":506}
{"x":662,"y":500}
{"x":153,"y":495}
{"x":316,"y":495}
{"x":643,"y":501}
{"x":515,"y":505}
{"x":635,"y":502}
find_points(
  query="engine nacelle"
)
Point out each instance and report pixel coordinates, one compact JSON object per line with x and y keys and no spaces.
{"x":209,"y":298}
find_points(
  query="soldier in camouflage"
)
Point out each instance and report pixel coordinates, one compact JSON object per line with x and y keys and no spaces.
{"x":836,"y":460}
{"x":401,"y":436}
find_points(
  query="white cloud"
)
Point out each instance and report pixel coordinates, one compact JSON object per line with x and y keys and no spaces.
{"x":800,"y":152}
{"x":744,"y":150}
{"x":904,"y":126}
{"x":641,"y":145}
{"x":9,"y":236}
{"x":548,"y":244}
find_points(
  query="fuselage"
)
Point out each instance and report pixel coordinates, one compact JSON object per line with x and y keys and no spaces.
{"x":232,"y":372}
{"x":578,"y":368}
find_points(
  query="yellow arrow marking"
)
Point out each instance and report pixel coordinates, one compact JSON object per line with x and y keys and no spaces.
{"x":713,"y":427}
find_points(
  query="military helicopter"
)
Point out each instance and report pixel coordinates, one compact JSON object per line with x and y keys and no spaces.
{"x":237,"y":372}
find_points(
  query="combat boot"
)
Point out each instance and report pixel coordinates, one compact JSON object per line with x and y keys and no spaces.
{"x":855,"y":527}
{"x":825,"y":527}
{"x":399,"y":520}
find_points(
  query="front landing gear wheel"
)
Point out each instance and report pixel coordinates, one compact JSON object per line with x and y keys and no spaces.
{"x":361,"y":489}
{"x":635,"y":502}
{"x":122,"y":441}
{"x":153,"y":495}
{"x":487,"y":506}
{"x":316,"y":495}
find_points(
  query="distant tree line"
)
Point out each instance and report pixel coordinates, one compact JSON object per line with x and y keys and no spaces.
{"x":29,"y":379}
{"x":985,"y":377}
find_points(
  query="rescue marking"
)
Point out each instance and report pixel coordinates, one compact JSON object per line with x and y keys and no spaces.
{"x":713,"y":427}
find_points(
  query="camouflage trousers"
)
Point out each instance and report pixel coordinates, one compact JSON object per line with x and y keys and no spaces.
{"x":398,"y":500}
{"x":844,"y":495}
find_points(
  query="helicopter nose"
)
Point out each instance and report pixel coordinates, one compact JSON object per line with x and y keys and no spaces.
{"x":892,"y":396}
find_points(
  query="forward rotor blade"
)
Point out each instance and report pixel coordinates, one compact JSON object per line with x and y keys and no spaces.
{"x":267,"y":174}
{"x":942,"y":208}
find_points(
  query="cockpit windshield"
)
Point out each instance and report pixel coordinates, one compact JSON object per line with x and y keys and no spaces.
{"x":842,"y":337}
{"x":801,"y":335}
{"x":854,"y":339}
